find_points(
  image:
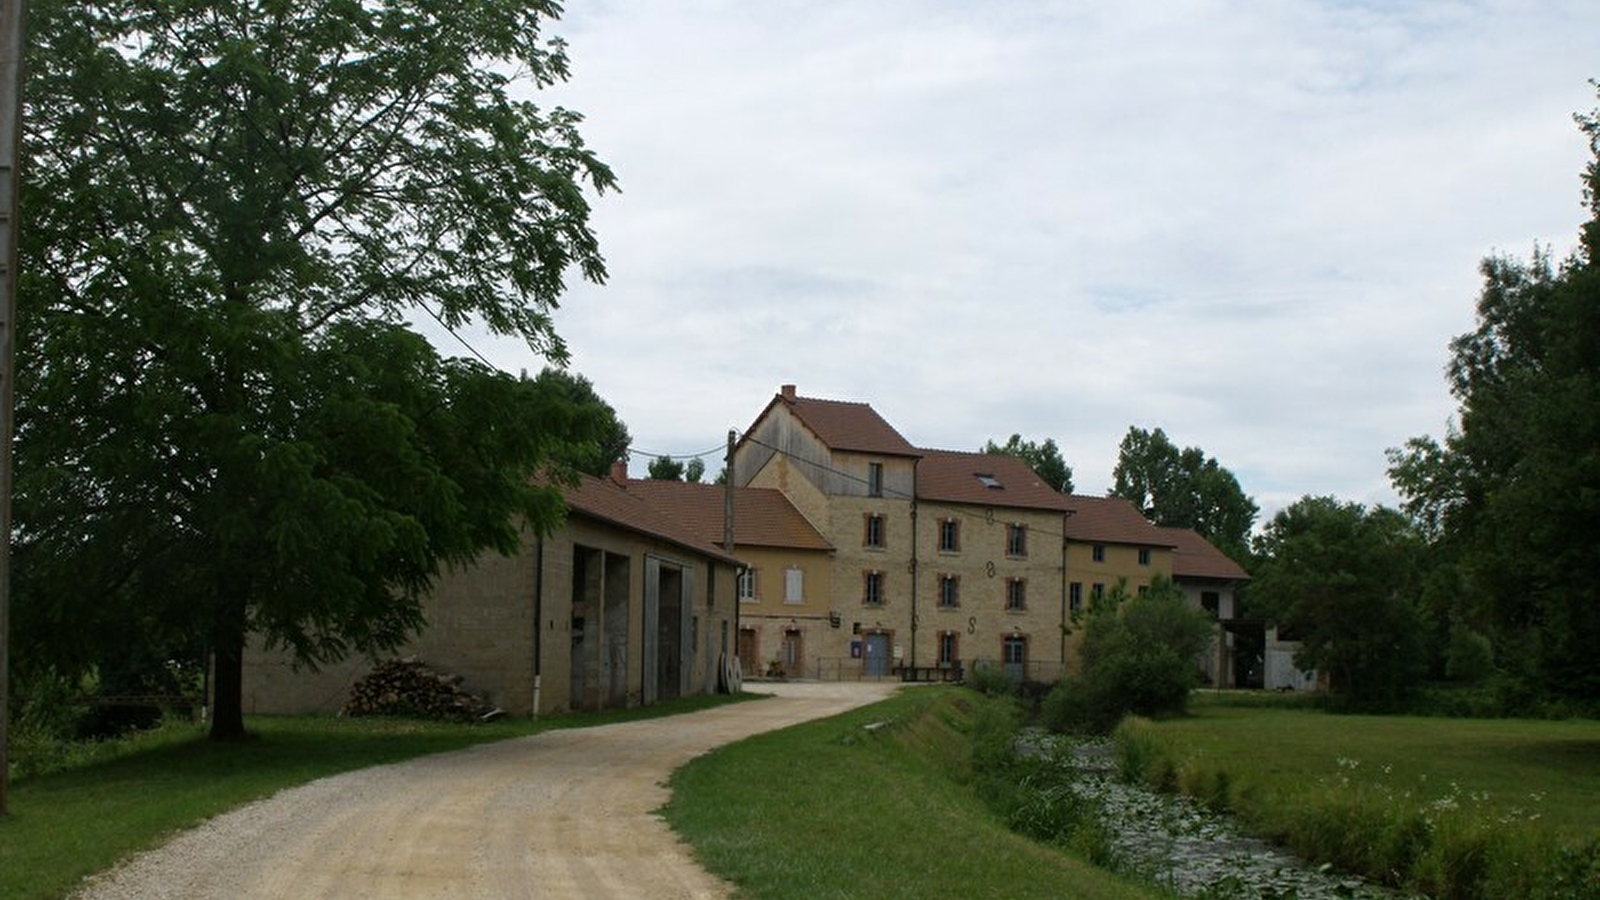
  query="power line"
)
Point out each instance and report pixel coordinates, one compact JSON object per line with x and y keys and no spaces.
{"x":675,"y":456}
{"x":474,"y":350}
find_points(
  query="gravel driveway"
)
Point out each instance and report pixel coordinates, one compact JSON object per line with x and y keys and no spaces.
{"x":562,"y":814}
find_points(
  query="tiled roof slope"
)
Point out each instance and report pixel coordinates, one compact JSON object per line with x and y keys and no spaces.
{"x":604,"y":499}
{"x":1196,"y":557}
{"x":1111,"y":520}
{"x":762,"y":517}
{"x":954,"y":477}
{"x":844,"y":425}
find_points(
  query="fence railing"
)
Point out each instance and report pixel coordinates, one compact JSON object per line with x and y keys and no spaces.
{"x":850,"y":668}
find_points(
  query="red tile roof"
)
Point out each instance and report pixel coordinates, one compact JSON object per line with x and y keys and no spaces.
{"x":1111,"y":520}
{"x":1196,"y":557}
{"x":762,"y":517}
{"x":984,"y":479}
{"x":603,"y":499}
{"x":844,"y":425}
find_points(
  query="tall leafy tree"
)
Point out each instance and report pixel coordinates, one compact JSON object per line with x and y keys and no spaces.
{"x":665,"y":468}
{"x":613,"y":439}
{"x":695,"y":470}
{"x":225,"y":428}
{"x":1342,"y":578}
{"x":1139,"y":656}
{"x":1043,"y":458}
{"x":1184,"y":488}
{"x":1511,"y":495}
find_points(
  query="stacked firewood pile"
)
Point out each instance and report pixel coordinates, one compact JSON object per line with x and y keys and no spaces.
{"x":407,"y":687}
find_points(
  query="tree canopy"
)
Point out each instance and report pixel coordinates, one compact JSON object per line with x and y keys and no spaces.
{"x":1184,"y":489}
{"x":225,"y":426}
{"x":1139,"y":656}
{"x":1341,"y":578}
{"x":611,"y":444}
{"x":667,"y":468}
{"x":1511,"y":496}
{"x":1043,"y":458}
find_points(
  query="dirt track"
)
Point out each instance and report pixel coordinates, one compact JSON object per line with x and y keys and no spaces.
{"x":561,"y":814}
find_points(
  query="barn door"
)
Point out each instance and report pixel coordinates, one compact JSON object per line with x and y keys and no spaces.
{"x":652,"y":619}
{"x":687,"y":624}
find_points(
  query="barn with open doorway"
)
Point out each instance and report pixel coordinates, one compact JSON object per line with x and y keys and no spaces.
{"x":620,"y":607}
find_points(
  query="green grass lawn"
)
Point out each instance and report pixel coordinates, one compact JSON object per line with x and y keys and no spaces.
{"x":869,"y":804}
{"x":67,"y":825}
{"x":1456,"y":807}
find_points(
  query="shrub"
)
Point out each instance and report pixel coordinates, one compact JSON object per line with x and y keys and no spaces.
{"x":1138,"y":657}
{"x":990,"y":680}
{"x":44,"y":723}
{"x":1469,"y":657}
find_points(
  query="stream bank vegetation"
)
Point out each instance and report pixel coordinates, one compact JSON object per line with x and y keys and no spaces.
{"x":889,"y":801}
{"x":1455,"y":809}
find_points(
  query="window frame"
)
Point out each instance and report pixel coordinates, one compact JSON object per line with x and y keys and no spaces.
{"x":1017,"y":540}
{"x":874,"y":530}
{"x":948,"y":591}
{"x":1016,"y":595}
{"x":949,"y":535}
{"x":872,"y":588}
{"x":747,"y":578}
{"x":1019,"y":641}
{"x":794,"y":586}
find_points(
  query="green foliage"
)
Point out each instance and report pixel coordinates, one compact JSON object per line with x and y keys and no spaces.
{"x":223,"y":428}
{"x":611,"y":440}
{"x":1044,"y":459}
{"x":694,"y":471}
{"x":44,"y":723}
{"x":1139,"y":657}
{"x":1342,"y":578}
{"x":1469,"y":657}
{"x":990,"y":680}
{"x":1511,"y":496}
{"x":665,"y":468}
{"x":1184,"y":489}
{"x":885,"y":812}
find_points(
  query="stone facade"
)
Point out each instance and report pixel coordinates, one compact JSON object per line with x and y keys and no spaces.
{"x":610,"y":611}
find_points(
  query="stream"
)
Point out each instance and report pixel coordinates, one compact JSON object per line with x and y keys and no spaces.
{"x":1177,"y":843}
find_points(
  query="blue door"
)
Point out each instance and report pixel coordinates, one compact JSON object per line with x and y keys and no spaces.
{"x":877,"y":650}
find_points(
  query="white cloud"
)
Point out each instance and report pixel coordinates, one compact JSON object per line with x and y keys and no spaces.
{"x":1253,"y":225}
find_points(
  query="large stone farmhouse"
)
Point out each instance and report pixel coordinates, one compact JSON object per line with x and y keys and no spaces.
{"x":855,"y":554}
{"x":940,"y":560}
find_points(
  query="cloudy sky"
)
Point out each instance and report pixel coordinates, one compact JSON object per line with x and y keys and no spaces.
{"x":1255,"y":225}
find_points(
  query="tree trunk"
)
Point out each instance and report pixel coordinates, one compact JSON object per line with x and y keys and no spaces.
{"x":227,"y":705}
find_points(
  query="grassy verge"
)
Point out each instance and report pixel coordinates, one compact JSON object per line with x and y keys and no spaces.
{"x":875,"y":803}
{"x":1451,"y":807}
{"x":67,"y":825}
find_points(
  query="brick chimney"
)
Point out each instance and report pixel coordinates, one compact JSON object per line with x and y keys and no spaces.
{"x":788,"y":393}
{"x":619,"y":473}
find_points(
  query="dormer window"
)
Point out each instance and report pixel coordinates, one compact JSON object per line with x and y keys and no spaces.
{"x":989,"y":481}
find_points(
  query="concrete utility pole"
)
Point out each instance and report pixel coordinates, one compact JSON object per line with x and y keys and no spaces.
{"x":13,"y":45}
